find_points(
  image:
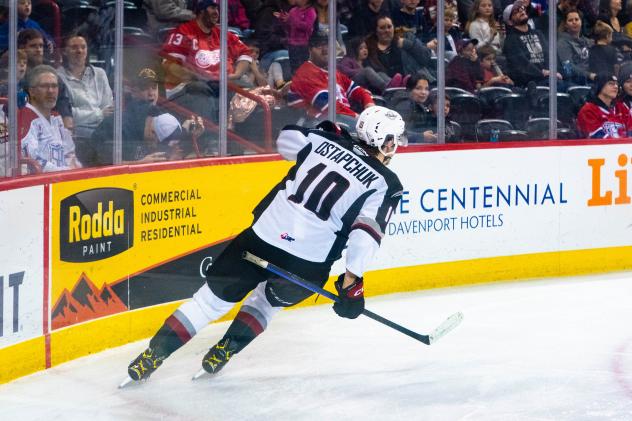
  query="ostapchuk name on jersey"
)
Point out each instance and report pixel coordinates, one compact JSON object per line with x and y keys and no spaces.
{"x":96,"y":224}
{"x":348,"y":161}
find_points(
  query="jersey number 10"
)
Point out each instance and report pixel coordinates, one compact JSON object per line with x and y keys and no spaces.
{"x":332,"y":178}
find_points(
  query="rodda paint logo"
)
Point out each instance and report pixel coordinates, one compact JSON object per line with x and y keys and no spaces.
{"x":96,"y":224}
{"x":604,"y":198}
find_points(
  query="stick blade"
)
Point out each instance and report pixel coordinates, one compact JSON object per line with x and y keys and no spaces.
{"x":444,"y":328}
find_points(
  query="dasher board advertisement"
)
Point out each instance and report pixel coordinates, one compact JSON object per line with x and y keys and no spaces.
{"x":21,"y":264}
{"x":462,"y":205}
{"x":135,"y":240}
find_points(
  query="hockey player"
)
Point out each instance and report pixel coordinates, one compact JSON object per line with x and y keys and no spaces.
{"x":340,"y":193}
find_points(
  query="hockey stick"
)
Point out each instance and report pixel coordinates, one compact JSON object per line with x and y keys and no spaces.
{"x":445,"y":327}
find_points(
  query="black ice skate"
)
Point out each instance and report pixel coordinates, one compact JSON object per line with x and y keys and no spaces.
{"x":145,"y":364}
{"x":217,"y":357}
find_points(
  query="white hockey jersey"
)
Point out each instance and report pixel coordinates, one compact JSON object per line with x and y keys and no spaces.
{"x":44,"y":140}
{"x":335,"y":196}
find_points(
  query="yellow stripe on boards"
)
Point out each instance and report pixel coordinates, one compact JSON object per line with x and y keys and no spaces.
{"x":22,"y":359}
{"x":88,"y":338}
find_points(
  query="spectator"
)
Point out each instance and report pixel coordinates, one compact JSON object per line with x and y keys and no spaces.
{"x":165,"y":13}
{"x":88,"y":87}
{"x":22,"y":65}
{"x":492,"y":74}
{"x":25,"y":22}
{"x":424,"y":129}
{"x":309,"y":87}
{"x":237,"y":15}
{"x":623,"y":104}
{"x":409,"y":20}
{"x":167,"y":136}
{"x":141,"y":141}
{"x":588,"y":18}
{"x":393,"y":55}
{"x":526,"y":49}
{"x":609,"y":14}
{"x":41,"y":130}
{"x":353,"y":66}
{"x":270,"y":32}
{"x":452,"y":134}
{"x":599,"y":118}
{"x":254,"y":76}
{"x":191,"y":64}
{"x":603,"y":57}
{"x":300,"y":25}
{"x":322,"y":25}
{"x":430,"y":10}
{"x":32,"y":42}
{"x":573,"y":50}
{"x":416,"y":113}
{"x":464,"y":71}
{"x":482,"y":26}
{"x":451,"y":33}
{"x":365,"y":17}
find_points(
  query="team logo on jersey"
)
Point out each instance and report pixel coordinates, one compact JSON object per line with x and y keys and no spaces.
{"x":612,"y":129}
{"x":96,"y":224}
{"x":286,"y":236}
{"x":357,"y":149}
{"x":206,"y":58}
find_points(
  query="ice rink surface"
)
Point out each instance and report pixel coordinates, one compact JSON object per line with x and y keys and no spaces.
{"x":535,"y":350}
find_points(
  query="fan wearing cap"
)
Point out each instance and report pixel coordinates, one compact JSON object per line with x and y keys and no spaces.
{"x":309,"y":87}
{"x":192,"y":52}
{"x":464,"y":71}
{"x":599,"y":118}
{"x":526,"y":49}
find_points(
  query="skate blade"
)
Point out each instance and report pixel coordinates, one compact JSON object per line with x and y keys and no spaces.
{"x":125,"y":382}
{"x":199,"y":374}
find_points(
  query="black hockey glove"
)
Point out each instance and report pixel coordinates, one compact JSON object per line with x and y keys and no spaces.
{"x":351,"y":302}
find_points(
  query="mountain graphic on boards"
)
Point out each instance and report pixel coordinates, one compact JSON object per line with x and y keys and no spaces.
{"x":85,"y":302}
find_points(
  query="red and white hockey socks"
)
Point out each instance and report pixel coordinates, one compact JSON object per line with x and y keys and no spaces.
{"x":188,"y":320}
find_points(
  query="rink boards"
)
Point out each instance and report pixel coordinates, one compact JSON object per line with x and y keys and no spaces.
{"x":99,"y":258}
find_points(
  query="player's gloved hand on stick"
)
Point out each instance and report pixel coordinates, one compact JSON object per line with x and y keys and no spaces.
{"x":351,"y":302}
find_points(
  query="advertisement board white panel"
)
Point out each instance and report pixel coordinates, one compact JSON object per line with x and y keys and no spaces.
{"x":461,"y":205}
{"x":21,"y":264}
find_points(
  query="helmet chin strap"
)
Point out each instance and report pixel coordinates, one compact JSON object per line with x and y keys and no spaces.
{"x":388,"y":154}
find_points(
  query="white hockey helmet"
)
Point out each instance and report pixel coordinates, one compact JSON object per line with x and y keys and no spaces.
{"x":377,"y":125}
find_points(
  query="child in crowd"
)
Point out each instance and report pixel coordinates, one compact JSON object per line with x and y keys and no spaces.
{"x":254,"y":76}
{"x":482,"y":25}
{"x":464,"y":71}
{"x":300,"y":25}
{"x":452,"y":135}
{"x":492,"y":74}
{"x":353,"y":66}
{"x":20,"y":73}
{"x":25,"y":8}
{"x":602,"y":57}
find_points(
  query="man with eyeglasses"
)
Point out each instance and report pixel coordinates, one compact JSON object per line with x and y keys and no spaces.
{"x":526,"y":49}
{"x":41,"y":130}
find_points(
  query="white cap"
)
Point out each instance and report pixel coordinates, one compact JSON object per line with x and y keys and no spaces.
{"x":165,"y":126}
